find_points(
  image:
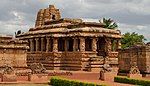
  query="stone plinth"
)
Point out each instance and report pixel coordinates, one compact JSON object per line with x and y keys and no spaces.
{"x":135,"y":76}
{"x":38,"y":78}
{"x":9,"y":78}
{"x":107,"y":76}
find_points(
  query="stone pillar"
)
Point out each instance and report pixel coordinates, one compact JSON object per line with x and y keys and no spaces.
{"x":56,"y":56}
{"x":42,"y":44}
{"x":74,"y":44}
{"x":55,"y":45}
{"x":108,"y":45}
{"x":65,"y":45}
{"x":31,"y":45}
{"x":94,"y":44}
{"x":37,"y":44}
{"x":82,"y":44}
{"x":48,"y":45}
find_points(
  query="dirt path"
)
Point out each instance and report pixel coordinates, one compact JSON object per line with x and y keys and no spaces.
{"x":93,"y":78}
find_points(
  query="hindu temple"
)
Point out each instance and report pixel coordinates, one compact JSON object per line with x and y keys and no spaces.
{"x":70,"y":44}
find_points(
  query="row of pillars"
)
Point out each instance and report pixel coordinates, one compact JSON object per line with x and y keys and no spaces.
{"x":34,"y":44}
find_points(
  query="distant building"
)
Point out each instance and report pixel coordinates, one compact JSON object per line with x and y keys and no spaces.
{"x":70,"y":44}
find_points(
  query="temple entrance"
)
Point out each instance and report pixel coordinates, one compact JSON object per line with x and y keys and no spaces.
{"x":101,"y":47}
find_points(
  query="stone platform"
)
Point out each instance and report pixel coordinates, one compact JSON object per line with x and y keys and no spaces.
{"x":9,"y":78}
{"x":38,"y":78}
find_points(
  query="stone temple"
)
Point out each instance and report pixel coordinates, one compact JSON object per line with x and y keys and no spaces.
{"x":70,"y":44}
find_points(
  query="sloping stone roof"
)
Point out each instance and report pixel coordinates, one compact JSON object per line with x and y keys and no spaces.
{"x":72,"y":27}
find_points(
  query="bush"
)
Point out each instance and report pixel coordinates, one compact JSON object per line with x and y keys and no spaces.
{"x":57,"y":81}
{"x":132,"y":81}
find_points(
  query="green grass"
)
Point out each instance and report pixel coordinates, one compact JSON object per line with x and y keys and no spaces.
{"x":132,"y":81}
{"x":58,"y":81}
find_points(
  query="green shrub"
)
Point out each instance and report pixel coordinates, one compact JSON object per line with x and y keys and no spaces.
{"x":132,"y":81}
{"x":57,"y":81}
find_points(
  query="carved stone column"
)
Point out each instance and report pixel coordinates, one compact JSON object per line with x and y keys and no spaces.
{"x":42,"y":44}
{"x":108,"y":45}
{"x":82,"y":44}
{"x":65,"y":45}
{"x":37,"y":44}
{"x":48,"y":45}
{"x":55,"y":45}
{"x":74,"y":44}
{"x":31,"y":45}
{"x":94,"y":44}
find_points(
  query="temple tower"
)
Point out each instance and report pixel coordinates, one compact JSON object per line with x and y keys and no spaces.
{"x":50,"y":13}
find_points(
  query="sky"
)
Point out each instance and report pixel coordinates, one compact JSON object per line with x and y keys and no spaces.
{"x":130,"y":15}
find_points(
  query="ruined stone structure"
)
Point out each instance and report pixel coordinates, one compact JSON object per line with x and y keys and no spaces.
{"x":135,"y":60}
{"x":13,"y":52}
{"x":13,"y":58}
{"x":70,"y":44}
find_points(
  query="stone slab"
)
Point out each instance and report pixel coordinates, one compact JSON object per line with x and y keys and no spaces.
{"x":9,"y":78}
{"x":38,"y":77}
{"x":108,"y":76}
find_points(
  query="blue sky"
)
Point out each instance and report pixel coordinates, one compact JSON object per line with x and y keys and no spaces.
{"x":131,"y":15}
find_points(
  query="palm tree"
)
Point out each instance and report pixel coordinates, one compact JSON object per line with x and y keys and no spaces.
{"x":108,"y":23}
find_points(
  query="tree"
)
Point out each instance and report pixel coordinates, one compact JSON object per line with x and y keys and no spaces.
{"x":130,"y":39}
{"x":108,"y":23}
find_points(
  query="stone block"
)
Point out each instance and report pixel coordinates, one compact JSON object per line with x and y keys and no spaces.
{"x":137,"y":76}
{"x":38,"y":78}
{"x":107,"y":76}
{"x":9,"y":78}
{"x":95,"y":69}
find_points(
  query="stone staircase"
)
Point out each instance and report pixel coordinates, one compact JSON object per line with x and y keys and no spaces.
{"x":95,"y":63}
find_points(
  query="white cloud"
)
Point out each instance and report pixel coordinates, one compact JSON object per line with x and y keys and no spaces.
{"x":140,"y":29}
{"x":132,"y":15}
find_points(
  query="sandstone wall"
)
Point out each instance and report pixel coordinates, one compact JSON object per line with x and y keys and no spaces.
{"x":13,"y":57}
{"x":139,"y":55}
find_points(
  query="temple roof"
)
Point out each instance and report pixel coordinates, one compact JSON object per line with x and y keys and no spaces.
{"x":72,"y":27}
{"x":46,"y":25}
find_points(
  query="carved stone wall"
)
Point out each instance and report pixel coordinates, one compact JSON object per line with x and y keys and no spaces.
{"x":13,"y":52}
